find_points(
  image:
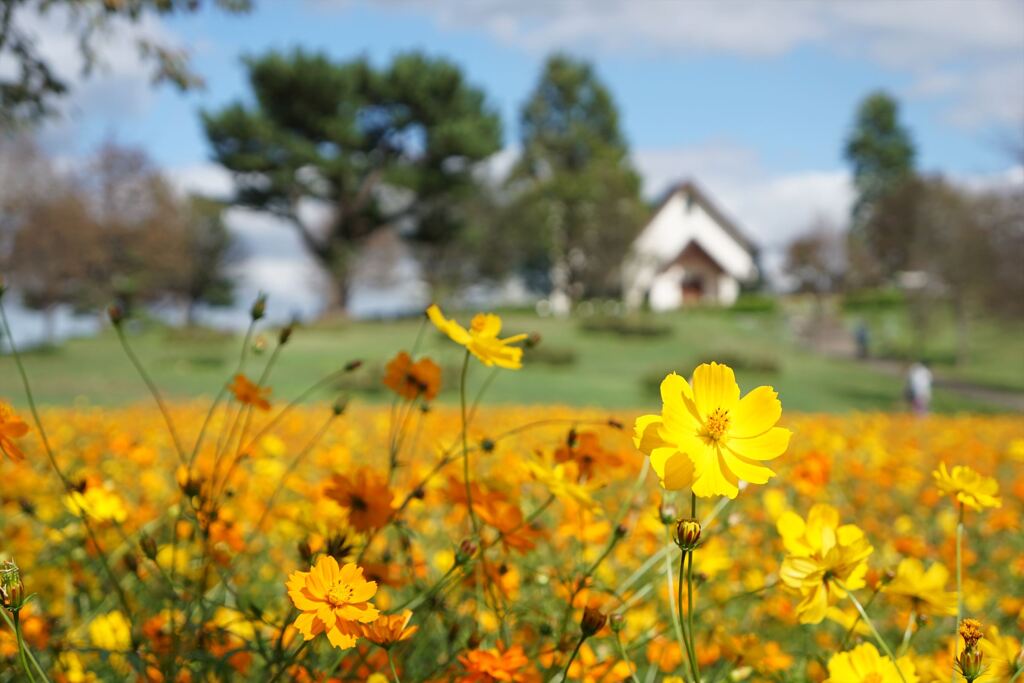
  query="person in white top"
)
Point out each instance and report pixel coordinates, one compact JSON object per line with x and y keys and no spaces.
{"x":919,"y":387}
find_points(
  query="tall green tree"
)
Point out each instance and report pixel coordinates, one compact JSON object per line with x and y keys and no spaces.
{"x":577,"y":195}
{"x":881,"y":153}
{"x":31,"y":87}
{"x":380,"y":147}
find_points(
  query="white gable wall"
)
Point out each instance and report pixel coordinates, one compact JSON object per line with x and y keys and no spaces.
{"x":670,"y":230}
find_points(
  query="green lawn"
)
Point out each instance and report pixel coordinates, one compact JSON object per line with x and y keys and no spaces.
{"x":995,"y":349}
{"x":571,"y":366}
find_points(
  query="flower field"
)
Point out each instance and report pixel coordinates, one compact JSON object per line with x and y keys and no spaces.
{"x":704,"y":537}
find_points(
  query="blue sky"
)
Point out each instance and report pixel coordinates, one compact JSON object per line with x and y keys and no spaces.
{"x":790,"y":106}
{"x":752,"y":99}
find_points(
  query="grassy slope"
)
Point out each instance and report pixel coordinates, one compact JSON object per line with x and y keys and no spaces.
{"x":609,"y":370}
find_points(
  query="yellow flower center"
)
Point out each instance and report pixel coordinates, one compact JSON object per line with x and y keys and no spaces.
{"x":339,"y":594}
{"x":717,"y":423}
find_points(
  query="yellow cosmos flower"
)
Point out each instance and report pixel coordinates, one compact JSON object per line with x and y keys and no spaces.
{"x":560,"y":481}
{"x":968,"y":487}
{"x":863,"y":664}
{"x":822,"y":558}
{"x":111,"y":632}
{"x":707,"y":437}
{"x":481,"y":339}
{"x":98,"y":503}
{"x":332,"y":599}
{"x":924,"y":591}
{"x":1002,"y":655}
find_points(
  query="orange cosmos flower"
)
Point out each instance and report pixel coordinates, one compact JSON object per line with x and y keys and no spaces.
{"x":366,"y":495}
{"x":481,"y":339}
{"x":250,"y":394}
{"x":11,"y":427}
{"x":586,"y":451}
{"x":412,"y":380}
{"x":333,"y":600}
{"x":389,"y":629}
{"x":487,"y":666}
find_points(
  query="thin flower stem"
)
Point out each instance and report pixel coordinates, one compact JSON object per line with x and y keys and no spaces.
{"x":291,"y":467}
{"x":678,"y":624}
{"x":153,"y":390}
{"x":21,"y":647}
{"x":48,"y":449}
{"x":465,"y":446}
{"x":871,"y":625}
{"x":853,"y":626}
{"x":288,"y":662}
{"x":626,"y":659}
{"x":683,"y":622}
{"x":689,"y":598}
{"x":27,"y":651}
{"x":959,"y":581}
{"x":391,"y":663}
{"x":572,"y":658}
{"x":908,"y":633}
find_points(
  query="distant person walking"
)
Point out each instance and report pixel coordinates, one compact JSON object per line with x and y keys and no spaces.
{"x":862,"y":335}
{"x":919,"y":387}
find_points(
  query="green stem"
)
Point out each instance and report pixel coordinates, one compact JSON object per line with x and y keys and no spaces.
{"x":626,"y":659}
{"x":874,"y":631}
{"x":689,"y":616}
{"x":288,"y":662}
{"x":21,"y":647}
{"x":51,"y":456}
{"x":689,"y":598}
{"x":391,"y":663}
{"x":465,"y":446}
{"x":572,"y":658}
{"x":959,"y":581}
{"x":908,"y":633}
{"x":28,"y":652}
{"x":678,"y":624}
{"x":153,"y":390}
{"x":683,"y":621}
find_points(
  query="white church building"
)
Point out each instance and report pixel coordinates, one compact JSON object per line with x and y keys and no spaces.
{"x":688,"y":253}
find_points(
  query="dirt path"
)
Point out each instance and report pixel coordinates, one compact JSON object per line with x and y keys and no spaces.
{"x":823,"y":332}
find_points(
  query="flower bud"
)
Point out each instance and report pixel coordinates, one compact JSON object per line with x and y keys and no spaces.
{"x":353,"y":365}
{"x":616,"y":622}
{"x":487,"y":446}
{"x":340,"y":405}
{"x":467,"y":549}
{"x":116,"y":314}
{"x":285,"y":334}
{"x":667,"y":513}
{"x":687,"y":534}
{"x":532,"y":340}
{"x":593,"y":621}
{"x":969,"y":665}
{"x":12,"y":590}
{"x":259,"y":307}
{"x":969,"y":662}
{"x":148,"y":546}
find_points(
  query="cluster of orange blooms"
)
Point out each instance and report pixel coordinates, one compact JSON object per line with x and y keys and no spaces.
{"x":714,"y":540}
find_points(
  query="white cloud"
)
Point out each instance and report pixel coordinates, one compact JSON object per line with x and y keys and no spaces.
{"x":971,"y":51}
{"x":119,"y":84}
{"x":770,"y":208}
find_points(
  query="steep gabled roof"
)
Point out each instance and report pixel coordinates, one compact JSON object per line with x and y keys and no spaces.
{"x":689,"y":188}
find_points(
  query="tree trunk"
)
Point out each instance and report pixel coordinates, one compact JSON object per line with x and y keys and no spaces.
{"x":50,"y":325}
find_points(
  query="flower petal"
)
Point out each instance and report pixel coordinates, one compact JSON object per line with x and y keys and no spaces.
{"x":755,"y":414}
{"x":767,"y":446}
{"x":674,"y":469}
{"x":714,"y":386}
